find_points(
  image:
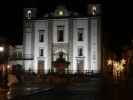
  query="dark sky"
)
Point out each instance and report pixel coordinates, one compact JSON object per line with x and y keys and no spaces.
{"x":117,"y":18}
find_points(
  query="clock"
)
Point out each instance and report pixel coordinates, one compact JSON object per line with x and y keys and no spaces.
{"x":61,"y":13}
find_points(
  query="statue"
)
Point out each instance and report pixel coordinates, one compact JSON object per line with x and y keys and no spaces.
{"x":60,"y":64}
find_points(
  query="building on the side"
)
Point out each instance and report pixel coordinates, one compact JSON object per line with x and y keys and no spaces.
{"x":5,"y":44}
{"x":77,"y":36}
{"x":16,"y":55}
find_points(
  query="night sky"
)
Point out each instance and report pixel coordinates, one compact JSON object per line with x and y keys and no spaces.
{"x":117,"y":18}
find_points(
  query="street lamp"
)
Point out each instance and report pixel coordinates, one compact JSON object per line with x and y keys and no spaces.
{"x":1,"y":49}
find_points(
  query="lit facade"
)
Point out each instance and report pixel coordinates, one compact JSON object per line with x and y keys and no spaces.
{"x":78,"y":37}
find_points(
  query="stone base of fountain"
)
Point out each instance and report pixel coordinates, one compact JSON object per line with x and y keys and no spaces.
{"x":60,"y":64}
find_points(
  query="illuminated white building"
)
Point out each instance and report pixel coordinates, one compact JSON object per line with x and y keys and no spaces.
{"x":78,"y":37}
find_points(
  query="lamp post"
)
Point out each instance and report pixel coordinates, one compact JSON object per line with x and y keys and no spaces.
{"x":5,"y":66}
{"x":1,"y":54}
{"x":117,"y":67}
{"x":3,"y":69}
{"x":1,"y":49}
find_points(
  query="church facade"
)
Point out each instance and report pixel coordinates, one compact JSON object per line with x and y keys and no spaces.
{"x":78,"y":37}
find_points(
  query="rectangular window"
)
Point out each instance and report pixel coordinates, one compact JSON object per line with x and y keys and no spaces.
{"x":60,"y":33}
{"x":80,"y":34}
{"x":41,"y":35}
{"x":41,"y":52}
{"x":80,"y":51}
{"x":19,"y":54}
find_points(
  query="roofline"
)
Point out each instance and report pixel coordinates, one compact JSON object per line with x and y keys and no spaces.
{"x":56,"y":18}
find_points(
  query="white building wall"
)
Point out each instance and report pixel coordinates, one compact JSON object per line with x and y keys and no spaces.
{"x":28,"y":65}
{"x":80,"y":23}
{"x":90,"y":62}
{"x":15,"y":50}
{"x":41,"y":25}
{"x":90,"y":44}
{"x":27,"y":42}
{"x":94,"y":45}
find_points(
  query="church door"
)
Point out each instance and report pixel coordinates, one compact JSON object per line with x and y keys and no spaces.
{"x":40,"y":67}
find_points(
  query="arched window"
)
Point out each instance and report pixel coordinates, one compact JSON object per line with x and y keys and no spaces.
{"x":93,"y":10}
{"x":29,"y":14}
{"x":41,"y":52}
{"x":80,"y":34}
{"x":80,"y":51}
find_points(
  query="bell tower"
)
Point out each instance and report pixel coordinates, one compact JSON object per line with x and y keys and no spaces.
{"x":94,"y":21}
{"x":30,"y":13}
{"x":94,"y":9}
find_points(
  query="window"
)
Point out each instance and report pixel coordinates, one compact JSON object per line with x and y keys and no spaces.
{"x":29,"y":14}
{"x":80,"y":52}
{"x":80,"y":34}
{"x":60,"y":33}
{"x":93,"y":10}
{"x":19,"y":54}
{"x":41,"y":35}
{"x":41,"y":52}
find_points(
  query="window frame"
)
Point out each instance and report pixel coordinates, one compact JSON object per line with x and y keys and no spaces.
{"x":41,"y":52}
{"x":80,"y":52}
{"x":80,"y":34}
{"x":41,"y":36}
{"x":60,"y":30}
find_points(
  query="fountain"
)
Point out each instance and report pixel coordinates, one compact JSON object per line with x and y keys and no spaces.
{"x":60,"y":64}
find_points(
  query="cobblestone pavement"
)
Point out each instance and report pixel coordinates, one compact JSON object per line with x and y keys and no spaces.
{"x":93,"y":89}
{"x":85,"y":90}
{"x":23,"y":89}
{"x":3,"y":94}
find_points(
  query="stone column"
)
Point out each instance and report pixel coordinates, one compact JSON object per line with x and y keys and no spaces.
{"x":70,"y":43}
{"x":89,"y":44}
{"x":27,"y":42}
{"x":50,"y":42}
{"x":99,"y":36}
{"x":95,"y":45}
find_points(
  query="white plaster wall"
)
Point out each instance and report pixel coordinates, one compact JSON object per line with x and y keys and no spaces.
{"x":28,"y":64}
{"x":12,"y":50}
{"x":27,"y":50}
{"x":77,"y":23}
{"x":94,"y":45}
{"x":80,"y":23}
{"x":27,"y":40}
{"x":40,"y":25}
